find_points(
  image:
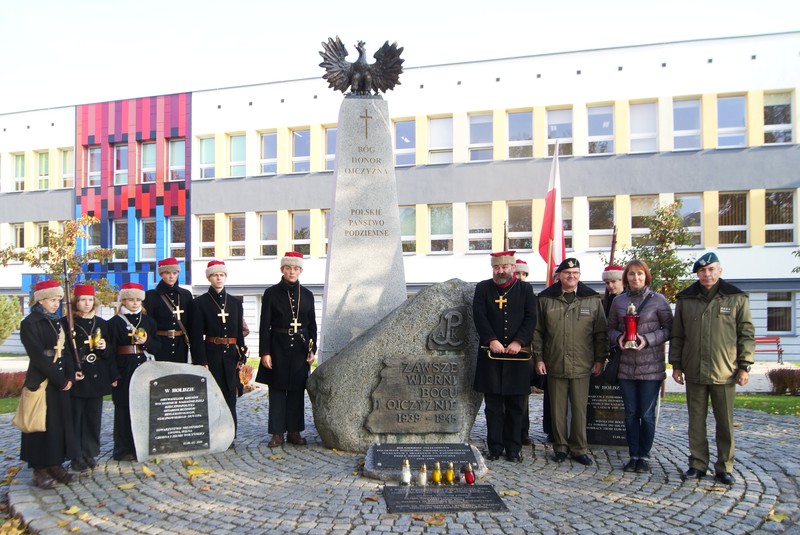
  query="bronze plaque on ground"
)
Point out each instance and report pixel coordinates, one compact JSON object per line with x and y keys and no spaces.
{"x":424,"y":395}
{"x":444,"y":499}
{"x":605,"y":414}
{"x":390,"y":456}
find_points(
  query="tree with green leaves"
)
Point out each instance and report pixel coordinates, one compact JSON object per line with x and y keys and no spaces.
{"x":10,"y":316}
{"x":658,"y":249}
{"x":61,"y":246}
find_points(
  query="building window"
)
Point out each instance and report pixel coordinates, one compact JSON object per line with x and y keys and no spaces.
{"x":330,"y":148}
{"x":236,"y":235}
{"x":559,"y":128}
{"x":405,"y":143}
{"x":520,"y":134}
{"x":440,"y":148}
{"x":19,"y":172}
{"x":777,"y":118}
{"x":177,"y":159}
{"x":148,"y":163}
{"x":120,"y":165}
{"x":42,"y":235}
{"x":43,"y":170}
{"x":18,"y":231}
{"x":268,"y":238}
{"x":780,"y":217}
{"x":408,"y":228}
{"x":566,"y":217}
{"x":642,"y":208}
{"x":93,"y":234}
{"x":208,"y":157}
{"x":644,"y":127}
{"x":326,"y":227}
{"x":780,"y":312}
{"x":691,"y":210}
{"x":731,"y":122}
{"x":686,"y":124}
{"x":601,"y":129}
{"x":177,"y":236}
{"x":733,"y":219}
{"x":479,"y":227}
{"x":207,"y":237}
{"x":301,"y":151}
{"x":147,"y":239}
{"x":67,"y":168}
{"x":119,"y":239}
{"x":601,"y":223}
{"x":480,"y":137}
{"x":520,"y":226}
{"x":269,"y":153}
{"x":237,"y":156}
{"x":441,"y":228}
{"x":93,"y":167}
{"x":301,"y":232}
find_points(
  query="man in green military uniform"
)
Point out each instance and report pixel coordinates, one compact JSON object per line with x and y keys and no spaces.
{"x":569,"y":343}
{"x":711,"y":349}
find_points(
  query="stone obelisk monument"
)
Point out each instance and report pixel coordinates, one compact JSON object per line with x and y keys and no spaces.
{"x":365,"y":279}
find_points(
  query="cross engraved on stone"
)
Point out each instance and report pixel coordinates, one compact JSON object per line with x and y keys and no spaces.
{"x":296,"y":325}
{"x":500,"y":302}
{"x":178,"y":312}
{"x":222,"y":314}
{"x":366,"y":117}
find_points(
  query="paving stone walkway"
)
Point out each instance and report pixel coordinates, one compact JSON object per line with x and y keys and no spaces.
{"x":313,"y":490}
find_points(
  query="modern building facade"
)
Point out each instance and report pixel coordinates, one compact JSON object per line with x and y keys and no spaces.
{"x":244,"y":174}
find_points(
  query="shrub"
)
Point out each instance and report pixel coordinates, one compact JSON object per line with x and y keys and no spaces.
{"x":11,"y":384}
{"x":10,"y":315}
{"x":785,"y":380}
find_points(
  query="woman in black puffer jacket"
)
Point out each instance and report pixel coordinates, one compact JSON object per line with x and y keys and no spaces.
{"x":642,"y":369}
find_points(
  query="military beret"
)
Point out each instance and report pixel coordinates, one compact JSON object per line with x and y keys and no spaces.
{"x":703,"y":261}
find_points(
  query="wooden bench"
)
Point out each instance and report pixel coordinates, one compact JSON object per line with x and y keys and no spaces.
{"x":773,"y":341}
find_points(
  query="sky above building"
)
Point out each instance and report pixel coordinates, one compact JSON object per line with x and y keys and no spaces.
{"x":60,"y":53}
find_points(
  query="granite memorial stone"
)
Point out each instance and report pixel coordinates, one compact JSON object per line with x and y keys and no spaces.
{"x":177,"y":410}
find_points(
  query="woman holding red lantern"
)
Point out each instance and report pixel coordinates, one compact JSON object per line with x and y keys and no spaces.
{"x":642,"y":368}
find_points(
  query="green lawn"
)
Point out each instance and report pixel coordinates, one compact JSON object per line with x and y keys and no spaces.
{"x":789,"y":405}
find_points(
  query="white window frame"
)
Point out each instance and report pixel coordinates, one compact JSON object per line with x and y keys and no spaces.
{"x":736,"y":131}
{"x":269,"y":165}
{"x":694,"y":230}
{"x":440,"y":153}
{"x":527,"y":207}
{"x":43,"y":178}
{"x":177,"y":170}
{"x":294,"y":242}
{"x":566,"y":215}
{"x":301,"y":163}
{"x":120,"y":173}
{"x":481,"y":234}
{"x":147,"y":251}
{"x":790,"y":304}
{"x":237,"y":168}
{"x":115,"y":243}
{"x":639,"y":202}
{"x":684,"y":103}
{"x":781,"y":226}
{"x":18,"y":235}
{"x":208,"y":169}
{"x":67,"y":168}
{"x":174,"y":246}
{"x":148,"y":173}
{"x":206,"y":249}
{"x":600,"y":233}
{"x":92,"y":231}
{"x":19,"y":179}
{"x":94,"y":177}
{"x":237,"y":248}
{"x":42,"y":231}
{"x":783,"y":98}
{"x":330,"y":151}
{"x":267,"y":242}
{"x":735,"y":228}
{"x":477,"y":145}
{"x":439,"y":237}
{"x":410,"y":239}
{"x":565,"y":143}
{"x":600,"y":143}
{"x":523,"y":145}
{"x":643,"y":127}
{"x":405,"y":147}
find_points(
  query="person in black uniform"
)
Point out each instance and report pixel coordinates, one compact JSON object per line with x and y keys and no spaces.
{"x":504,"y":312}
{"x":169,"y":305}
{"x":44,"y":341}
{"x":287,"y":345}
{"x":132,"y":334}
{"x":98,"y":367}
{"x":216,"y":333}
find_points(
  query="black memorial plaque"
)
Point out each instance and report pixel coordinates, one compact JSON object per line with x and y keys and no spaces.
{"x":424,"y":395}
{"x":178,"y":414}
{"x":390,"y":456}
{"x":605,"y":414}
{"x":442,"y":499}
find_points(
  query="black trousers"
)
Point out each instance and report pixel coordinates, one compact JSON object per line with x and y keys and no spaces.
{"x":123,"y":434}
{"x":86,"y":417}
{"x":286,"y":411}
{"x":504,"y":423}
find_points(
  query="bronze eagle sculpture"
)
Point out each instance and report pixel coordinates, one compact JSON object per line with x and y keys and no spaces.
{"x":361,"y":77}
